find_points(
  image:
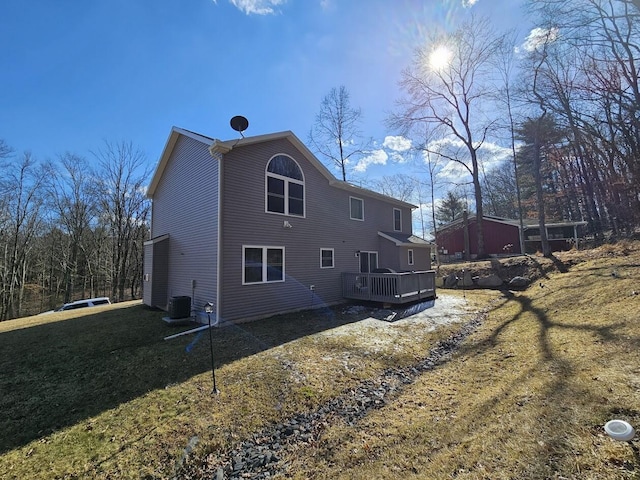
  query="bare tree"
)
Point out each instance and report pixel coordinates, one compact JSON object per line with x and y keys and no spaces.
{"x":21,"y":194}
{"x":336,"y":134}
{"x":400,"y":186}
{"x":5,"y":150}
{"x":506,"y":66}
{"x":505,"y":197}
{"x":122,"y":172}
{"x":590,"y":80}
{"x":448,"y":86}
{"x":73,"y":199}
{"x":432,"y":166}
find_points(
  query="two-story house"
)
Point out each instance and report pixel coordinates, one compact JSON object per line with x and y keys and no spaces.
{"x":258,"y":226}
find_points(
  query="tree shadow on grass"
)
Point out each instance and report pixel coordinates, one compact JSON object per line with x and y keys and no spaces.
{"x":606,"y":333}
{"x":559,"y":264}
{"x":559,"y":385}
{"x":56,"y":374}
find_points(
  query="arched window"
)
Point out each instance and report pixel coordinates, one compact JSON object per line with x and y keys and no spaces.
{"x":285,"y":186}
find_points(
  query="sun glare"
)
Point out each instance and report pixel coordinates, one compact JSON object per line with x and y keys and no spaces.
{"x":440,"y":58}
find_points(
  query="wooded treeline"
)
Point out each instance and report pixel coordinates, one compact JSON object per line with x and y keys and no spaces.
{"x":71,"y":228}
{"x":582,"y":134}
{"x":564,"y":105}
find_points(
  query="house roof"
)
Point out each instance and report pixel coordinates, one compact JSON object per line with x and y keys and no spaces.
{"x":527,"y":222}
{"x":405,"y":239}
{"x":223,"y":147}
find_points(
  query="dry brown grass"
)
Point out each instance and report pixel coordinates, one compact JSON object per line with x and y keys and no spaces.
{"x":100,"y":394}
{"x":524,"y":397}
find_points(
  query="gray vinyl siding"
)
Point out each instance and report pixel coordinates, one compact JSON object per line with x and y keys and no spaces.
{"x":421,"y":259}
{"x":147,"y":279}
{"x":398,"y":257}
{"x":389,"y":255}
{"x":326,"y":225}
{"x":185,"y":207}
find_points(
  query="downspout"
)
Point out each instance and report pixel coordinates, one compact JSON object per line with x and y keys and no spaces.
{"x":219,"y":241}
{"x":218,"y":150}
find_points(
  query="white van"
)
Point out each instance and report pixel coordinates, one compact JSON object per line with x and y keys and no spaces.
{"x":88,"y":302}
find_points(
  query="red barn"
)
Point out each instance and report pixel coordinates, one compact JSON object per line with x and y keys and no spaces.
{"x":502,"y":236}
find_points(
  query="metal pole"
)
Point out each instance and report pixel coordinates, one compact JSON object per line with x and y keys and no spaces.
{"x":213,"y":367}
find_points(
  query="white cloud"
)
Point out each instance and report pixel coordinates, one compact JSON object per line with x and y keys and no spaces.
{"x":453,"y":172}
{"x":397,"y":143}
{"x":469,"y":3}
{"x":375,"y":157}
{"x":391,"y":149}
{"x":398,"y":158}
{"x":490,"y":155}
{"x":539,"y":37}
{"x":258,"y":7}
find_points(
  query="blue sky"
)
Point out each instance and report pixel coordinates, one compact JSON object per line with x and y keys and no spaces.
{"x":75,"y":73}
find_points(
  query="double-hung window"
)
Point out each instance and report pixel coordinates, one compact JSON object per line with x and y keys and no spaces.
{"x":284,"y":187}
{"x":356,"y":208}
{"x":262,"y":264}
{"x":326,"y":258}
{"x":397,"y":219}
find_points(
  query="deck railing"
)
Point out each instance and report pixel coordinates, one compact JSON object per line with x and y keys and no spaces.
{"x":389,"y":287}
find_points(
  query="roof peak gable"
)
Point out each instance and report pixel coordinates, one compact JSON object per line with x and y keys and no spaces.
{"x":222,"y":147}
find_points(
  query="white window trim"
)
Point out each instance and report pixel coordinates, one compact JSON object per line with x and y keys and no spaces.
{"x":410,"y":256}
{"x":333,"y":257}
{"x":287,"y":180}
{"x":350,"y":213}
{"x":264,"y":264}
{"x":394,"y":220}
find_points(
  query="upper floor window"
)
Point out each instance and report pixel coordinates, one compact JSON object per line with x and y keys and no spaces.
{"x":356,"y":208}
{"x":285,"y":186}
{"x":397,"y":219}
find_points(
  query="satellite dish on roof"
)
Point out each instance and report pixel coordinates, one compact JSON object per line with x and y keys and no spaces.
{"x":239,"y":124}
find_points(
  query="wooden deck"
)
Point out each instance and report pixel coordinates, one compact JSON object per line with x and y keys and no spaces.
{"x":389,"y":287}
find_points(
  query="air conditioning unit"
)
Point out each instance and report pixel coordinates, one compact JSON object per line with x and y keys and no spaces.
{"x":179,"y":307}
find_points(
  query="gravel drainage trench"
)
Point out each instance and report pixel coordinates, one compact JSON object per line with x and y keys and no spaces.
{"x":261,"y":456}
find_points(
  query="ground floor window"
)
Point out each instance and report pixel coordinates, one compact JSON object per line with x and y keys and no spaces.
{"x":262,"y":264}
{"x":368,"y":261}
{"x":326,"y":258}
{"x":410,"y":256}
